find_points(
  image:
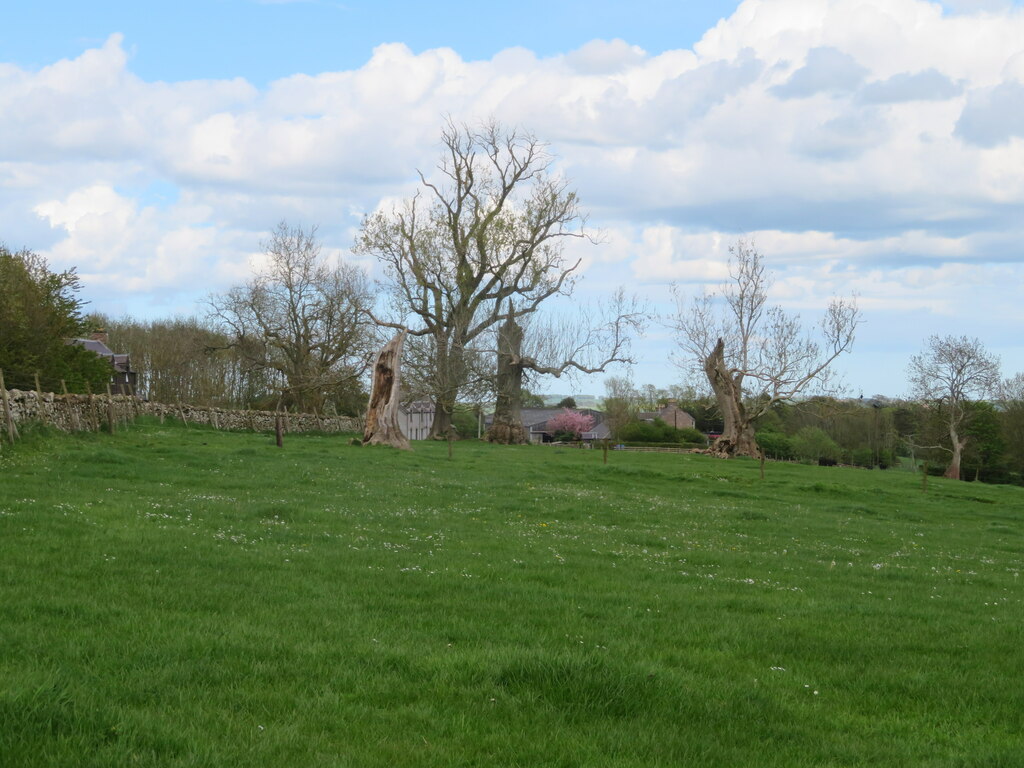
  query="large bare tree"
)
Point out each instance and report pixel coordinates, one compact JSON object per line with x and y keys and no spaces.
{"x":301,"y":317}
{"x":579,"y":343}
{"x":947,"y":375}
{"x":481,"y":243}
{"x":754,"y":355}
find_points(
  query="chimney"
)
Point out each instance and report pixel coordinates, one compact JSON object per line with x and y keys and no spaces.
{"x":100,"y":336}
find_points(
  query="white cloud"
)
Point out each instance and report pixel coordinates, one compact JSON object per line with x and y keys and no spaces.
{"x":866,"y":143}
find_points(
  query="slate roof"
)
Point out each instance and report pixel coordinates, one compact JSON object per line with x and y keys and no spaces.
{"x":119,"y":361}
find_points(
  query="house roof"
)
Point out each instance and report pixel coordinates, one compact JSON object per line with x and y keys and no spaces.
{"x":599,"y":432}
{"x":120,"y":362}
{"x":418,"y":406}
{"x":93,"y":345}
{"x":536,"y":419}
{"x":665,"y":413}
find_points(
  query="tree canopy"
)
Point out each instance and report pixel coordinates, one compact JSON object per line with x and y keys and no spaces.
{"x":40,"y":312}
{"x":301,"y":318}
{"x":480,"y":244}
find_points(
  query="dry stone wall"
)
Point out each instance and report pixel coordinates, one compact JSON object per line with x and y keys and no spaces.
{"x":90,"y":412}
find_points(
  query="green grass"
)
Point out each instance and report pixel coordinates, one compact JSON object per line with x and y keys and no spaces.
{"x":186,"y":597}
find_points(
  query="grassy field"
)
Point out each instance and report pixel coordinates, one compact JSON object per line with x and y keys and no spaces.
{"x":178,"y":596}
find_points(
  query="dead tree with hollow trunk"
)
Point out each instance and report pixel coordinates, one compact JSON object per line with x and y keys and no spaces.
{"x":382,"y":425}
{"x":753,"y":355}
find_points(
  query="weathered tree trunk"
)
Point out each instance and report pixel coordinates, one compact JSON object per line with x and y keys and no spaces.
{"x":953,"y":470}
{"x":442,"y":423}
{"x":448,"y":370}
{"x":737,"y":438}
{"x":507,"y":427}
{"x":382,"y":427}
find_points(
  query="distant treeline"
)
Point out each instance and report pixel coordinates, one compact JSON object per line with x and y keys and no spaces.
{"x":188,"y":360}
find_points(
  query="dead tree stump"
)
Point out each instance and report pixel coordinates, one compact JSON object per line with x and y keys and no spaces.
{"x":382,"y":427}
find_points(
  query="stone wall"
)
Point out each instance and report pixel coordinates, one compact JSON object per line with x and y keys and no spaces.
{"x":91,"y":412}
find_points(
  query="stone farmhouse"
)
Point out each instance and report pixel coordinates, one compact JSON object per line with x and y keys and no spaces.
{"x":671,"y":414}
{"x":123,"y":380}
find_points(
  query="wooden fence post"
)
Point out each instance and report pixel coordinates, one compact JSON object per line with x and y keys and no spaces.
{"x":133,"y":402}
{"x":110,"y":412}
{"x":39,"y":399}
{"x":94,"y":424}
{"x":277,"y":431}
{"x":12,"y":429}
{"x":74,"y":423}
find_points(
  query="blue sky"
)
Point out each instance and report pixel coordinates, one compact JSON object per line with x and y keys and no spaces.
{"x":263,"y":41}
{"x":873,"y":147}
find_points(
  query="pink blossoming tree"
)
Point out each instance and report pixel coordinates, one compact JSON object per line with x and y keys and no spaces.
{"x":570,"y":423}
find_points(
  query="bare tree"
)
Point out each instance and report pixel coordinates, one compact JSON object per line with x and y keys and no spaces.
{"x":175,"y":363}
{"x":621,"y":403}
{"x":478,"y":246}
{"x":754,"y":355}
{"x":949,"y":373}
{"x":583,"y":343}
{"x":301,"y":317}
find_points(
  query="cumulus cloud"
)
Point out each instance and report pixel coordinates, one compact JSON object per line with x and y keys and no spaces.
{"x":603,"y":57}
{"x":993,"y":116}
{"x":929,"y":85}
{"x":828,"y":70}
{"x":866,"y":143}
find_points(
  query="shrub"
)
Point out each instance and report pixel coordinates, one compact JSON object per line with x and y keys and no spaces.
{"x":813,"y":443}
{"x":464,"y":419}
{"x":862,"y":457}
{"x":658,"y":431}
{"x":691,"y":435}
{"x":775,"y":445}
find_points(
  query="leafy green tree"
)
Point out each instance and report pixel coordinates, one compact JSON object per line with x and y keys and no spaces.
{"x":567,"y":402}
{"x":620,"y":404}
{"x":984,"y":454}
{"x":39,"y":313}
{"x":775,"y":444}
{"x":531,"y":400}
{"x":814,"y":444}
{"x":1011,"y":412}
